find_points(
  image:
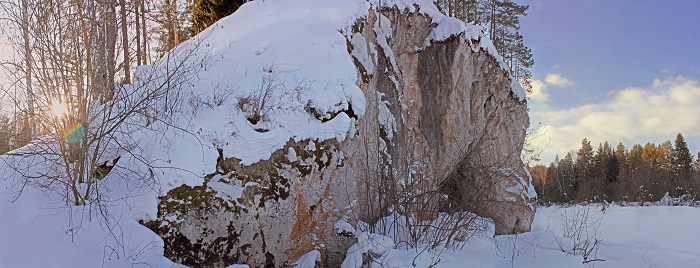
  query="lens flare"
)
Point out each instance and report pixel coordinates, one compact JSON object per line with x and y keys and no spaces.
{"x":59,"y":109}
{"x":75,"y":133}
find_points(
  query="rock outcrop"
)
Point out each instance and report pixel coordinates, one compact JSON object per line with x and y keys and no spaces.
{"x":450,"y":106}
{"x":440,"y":117}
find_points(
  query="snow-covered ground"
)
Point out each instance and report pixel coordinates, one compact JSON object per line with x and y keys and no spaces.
{"x":300,"y":43}
{"x":34,"y":233}
{"x":629,"y":237}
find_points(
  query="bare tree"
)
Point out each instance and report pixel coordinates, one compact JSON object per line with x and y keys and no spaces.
{"x":83,"y":115}
{"x":125,"y":42}
{"x":27,"y":61}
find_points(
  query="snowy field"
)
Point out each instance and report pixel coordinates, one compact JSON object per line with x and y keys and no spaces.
{"x":34,"y":234}
{"x":629,"y":237}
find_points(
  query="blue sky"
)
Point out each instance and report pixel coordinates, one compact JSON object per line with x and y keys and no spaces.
{"x":623,"y":71}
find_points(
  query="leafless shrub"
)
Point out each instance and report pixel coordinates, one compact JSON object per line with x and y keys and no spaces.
{"x":260,"y":101}
{"x":271,"y":93}
{"x":219,"y":96}
{"x":581,"y":232}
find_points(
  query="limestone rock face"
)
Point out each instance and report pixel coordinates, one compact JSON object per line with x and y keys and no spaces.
{"x":450,"y":106}
{"x":285,"y":210}
{"x":440,"y":117}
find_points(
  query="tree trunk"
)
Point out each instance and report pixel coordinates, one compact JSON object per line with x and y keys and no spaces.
{"x":137,"y":13}
{"x":492,"y":29}
{"x":28,"y":71}
{"x":175,"y":25}
{"x":144,"y":33}
{"x":125,"y":44}
{"x":110,"y":45}
{"x":105,"y":37}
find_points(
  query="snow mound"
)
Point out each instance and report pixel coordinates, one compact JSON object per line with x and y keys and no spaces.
{"x":290,"y":69}
{"x":371,"y":243}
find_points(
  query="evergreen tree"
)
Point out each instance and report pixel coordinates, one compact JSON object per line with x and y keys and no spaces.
{"x":207,"y":12}
{"x":612,"y":173}
{"x":624,"y":173}
{"x":664,"y":156}
{"x":551,"y":188}
{"x":584,"y":169}
{"x":569,"y":183}
{"x":663,"y":178}
{"x":503,"y":22}
{"x":682,"y":163}
{"x":500,"y":20}
{"x":645,"y":173}
{"x":649,"y":155}
{"x":635,"y":157}
{"x":171,"y":30}
{"x":696,"y":180}
{"x":682,"y":159}
{"x":594,"y":179}
{"x":621,"y":155}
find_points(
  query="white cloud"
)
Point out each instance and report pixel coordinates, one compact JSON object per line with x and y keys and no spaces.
{"x":538,"y":91}
{"x":540,"y":88}
{"x":632,"y":115}
{"x":558,"y":80}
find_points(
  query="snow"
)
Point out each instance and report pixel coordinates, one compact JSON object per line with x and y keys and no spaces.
{"x":424,"y":7}
{"x":366,"y":243}
{"x":523,"y":186}
{"x":658,"y":236}
{"x":35,"y":229}
{"x":298,"y":47}
{"x":386,"y":119}
{"x":343,"y":227}
{"x":361,"y":51}
{"x":260,"y":48}
{"x":291,"y":154}
{"x":631,"y":237}
{"x":238,"y":266}
{"x":517,"y":89}
{"x":382,"y":28}
{"x":666,"y":200}
{"x":311,"y":146}
{"x":308,"y":260}
{"x":226,"y":191}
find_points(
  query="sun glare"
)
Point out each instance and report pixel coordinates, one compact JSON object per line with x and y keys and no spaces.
{"x":59,"y":109}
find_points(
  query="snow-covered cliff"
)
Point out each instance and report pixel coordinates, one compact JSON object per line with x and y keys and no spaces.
{"x":363,"y":99}
{"x":305,"y":116}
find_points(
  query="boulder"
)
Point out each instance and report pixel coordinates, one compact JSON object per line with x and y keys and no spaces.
{"x":443,"y":122}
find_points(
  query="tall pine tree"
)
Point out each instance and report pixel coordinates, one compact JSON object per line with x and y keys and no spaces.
{"x":682,"y":159}
{"x":682,"y":164}
{"x":500,"y":20}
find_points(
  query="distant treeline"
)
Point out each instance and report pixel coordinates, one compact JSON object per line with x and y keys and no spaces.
{"x":644,"y":173}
